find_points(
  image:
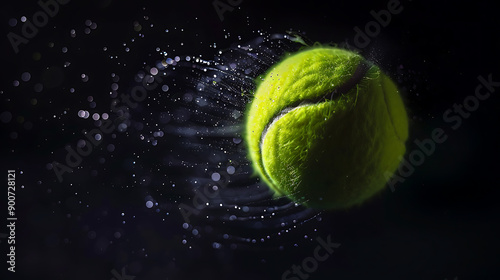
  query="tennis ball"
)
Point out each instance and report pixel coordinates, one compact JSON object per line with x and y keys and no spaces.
{"x":324,"y":128}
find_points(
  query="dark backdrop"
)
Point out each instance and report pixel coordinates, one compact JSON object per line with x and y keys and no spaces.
{"x":440,"y":223}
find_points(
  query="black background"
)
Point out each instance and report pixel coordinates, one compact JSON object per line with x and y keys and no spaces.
{"x":441,"y":223}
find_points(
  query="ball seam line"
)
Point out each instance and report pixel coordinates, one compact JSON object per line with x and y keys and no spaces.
{"x":360,"y":72}
{"x":355,"y":79}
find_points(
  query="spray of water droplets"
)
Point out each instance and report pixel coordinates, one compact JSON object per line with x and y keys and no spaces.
{"x":195,"y":126}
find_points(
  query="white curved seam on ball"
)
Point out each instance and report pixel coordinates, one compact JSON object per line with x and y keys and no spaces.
{"x":277,"y":118}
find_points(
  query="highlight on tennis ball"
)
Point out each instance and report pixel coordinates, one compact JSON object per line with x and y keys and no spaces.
{"x":324,"y":128}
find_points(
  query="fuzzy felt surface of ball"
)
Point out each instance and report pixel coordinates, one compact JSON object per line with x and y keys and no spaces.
{"x":325,"y":127}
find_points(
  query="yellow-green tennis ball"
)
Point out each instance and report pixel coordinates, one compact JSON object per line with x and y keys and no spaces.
{"x":324,"y":128}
